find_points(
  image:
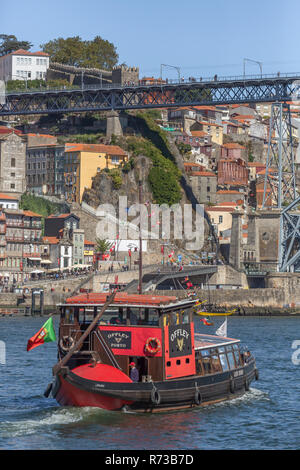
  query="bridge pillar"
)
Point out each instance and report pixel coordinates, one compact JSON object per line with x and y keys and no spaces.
{"x":113,"y":124}
{"x":235,"y":255}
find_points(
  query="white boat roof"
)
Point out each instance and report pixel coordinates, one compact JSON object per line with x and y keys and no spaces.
{"x":203,"y":341}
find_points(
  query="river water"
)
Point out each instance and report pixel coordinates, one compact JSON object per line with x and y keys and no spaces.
{"x":266,"y":417}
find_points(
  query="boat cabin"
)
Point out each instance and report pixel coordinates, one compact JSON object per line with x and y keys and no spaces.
{"x":154,"y":332}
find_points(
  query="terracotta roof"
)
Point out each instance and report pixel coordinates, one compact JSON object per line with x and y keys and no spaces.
{"x":202,"y":173}
{"x":238,"y":105}
{"x":255,"y":164}
{"x":31,"y":214}
{"x":9,"y":130}
{"x":219,"y":209}
{"x":50,"y":240}
{"x":210,"y":124}
{"x":59,"y":216}
{"x":233,"y":145}
{"x":242,"y":117}
{"x":6,"y":196}
{"x":228,"y":191}
{"x":31,"y":134}
{"x":86,"y":242}
{"x":98,"y":148}
{"x":227,"y":204}
{"x":187,"y":164}
{"x":263,"y":172}
{"x":24,"y":52}
{"x":199,"y":133}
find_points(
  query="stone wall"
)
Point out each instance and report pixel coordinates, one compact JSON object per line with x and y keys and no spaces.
{"x":238,"y":298}
{"x":12,"y":164}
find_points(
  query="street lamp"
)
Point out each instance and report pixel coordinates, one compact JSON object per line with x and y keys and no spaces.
{"x":256,"y":62}
{"x":172,"y":66}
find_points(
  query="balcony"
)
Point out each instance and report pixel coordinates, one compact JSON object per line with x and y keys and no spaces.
{"x":11,"y":223}
{"x":12,"y":238}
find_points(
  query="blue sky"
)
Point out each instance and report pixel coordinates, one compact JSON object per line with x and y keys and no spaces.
{"x":201,"y":37}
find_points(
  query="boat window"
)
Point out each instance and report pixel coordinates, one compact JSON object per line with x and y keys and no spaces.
{"x":187,"y":360}
{"x":69,"y":315}
{"x":206,"y":365}
{"x":204,"y":352}
{"x":178,"y":362}
{"x":89,"y":314}
{"x":174,"y":318}
{"x":221,"y":350}
{"x":215,"y":362}
{"x":81,"y":315}
{"x":238,"y":359}
{"x":168,"y":363}
{"x":231,"y":360}
{"x":112,"y":316}
{"x":153,"y":317}
{"x":224,"y":362}
{"x":199,"y":367}
{"x":185,"y":317}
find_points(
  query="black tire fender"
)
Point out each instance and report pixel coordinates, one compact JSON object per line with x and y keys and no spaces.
{"x":198,"y":397}
{"x":232,"y":385}
{"x":256,"y":374}
{"x":155,"y":396}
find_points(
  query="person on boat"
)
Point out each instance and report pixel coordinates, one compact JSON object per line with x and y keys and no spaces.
{"x":134,"y":373}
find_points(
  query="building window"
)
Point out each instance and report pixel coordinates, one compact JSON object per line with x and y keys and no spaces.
{"x":12,"y":186}
{"x":115,"y":160}
{"x":220,"y":219}
{"x":13,"y":162}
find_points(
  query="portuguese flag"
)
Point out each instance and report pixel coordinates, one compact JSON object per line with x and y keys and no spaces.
{"x":44,"y":335}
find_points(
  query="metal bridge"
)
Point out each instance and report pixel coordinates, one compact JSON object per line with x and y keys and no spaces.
{"x":210,"y":91}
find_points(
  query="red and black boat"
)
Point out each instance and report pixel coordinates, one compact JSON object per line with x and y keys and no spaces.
{"x":102,"y":335}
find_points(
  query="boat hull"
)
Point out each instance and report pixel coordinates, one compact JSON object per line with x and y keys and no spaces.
{"x":71,"y":390}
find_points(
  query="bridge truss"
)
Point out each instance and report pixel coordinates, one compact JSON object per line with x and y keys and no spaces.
{"x":117,"y":97}
{"x":280,"y":189}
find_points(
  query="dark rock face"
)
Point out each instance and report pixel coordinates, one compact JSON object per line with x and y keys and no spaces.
{"x":104,"y":192}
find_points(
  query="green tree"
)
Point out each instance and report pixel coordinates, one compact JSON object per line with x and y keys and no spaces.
{"x":74,"y":51}
{"x":100,"y":53}
{"x":102,"y":245}
{"x":9,"y":43}
{"x":69,"y":51}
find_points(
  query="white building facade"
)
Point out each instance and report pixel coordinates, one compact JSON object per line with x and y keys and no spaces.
{"x":24,"y":65}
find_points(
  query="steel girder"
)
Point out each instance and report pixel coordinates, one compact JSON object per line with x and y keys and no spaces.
{"x":280,"y":187}
{"x":289,"y":244}
{"x":152,"y":96}
{"x":280,"y":177}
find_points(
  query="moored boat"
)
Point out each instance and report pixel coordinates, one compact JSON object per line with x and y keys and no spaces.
{"x":103,"y":337}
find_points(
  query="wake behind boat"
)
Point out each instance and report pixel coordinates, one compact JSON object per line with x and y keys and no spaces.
{"x":140,"y":352}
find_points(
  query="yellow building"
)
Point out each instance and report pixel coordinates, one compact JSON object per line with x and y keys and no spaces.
{"x":211,"y":128}
{"x":84,"y":161}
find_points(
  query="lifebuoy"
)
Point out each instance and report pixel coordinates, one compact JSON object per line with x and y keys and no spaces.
{"x":66,"y":343}
{"x":155,"y":396}
{"x":198,"y":397}
{"x":152,"y":346}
